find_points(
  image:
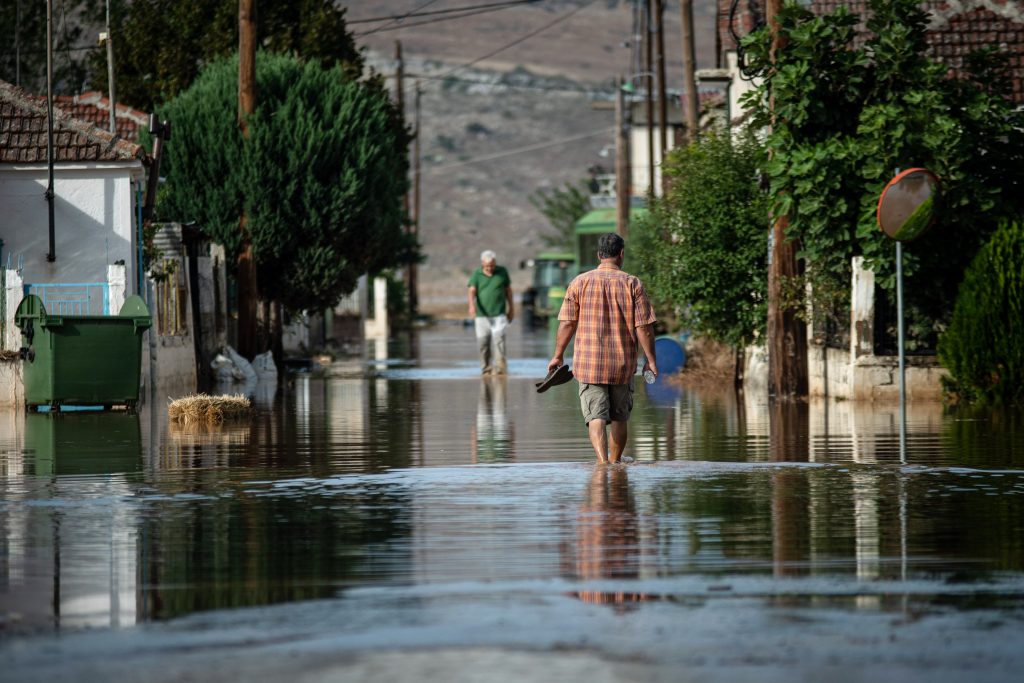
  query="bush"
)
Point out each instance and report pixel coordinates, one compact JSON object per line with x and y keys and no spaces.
{"x":701,"y":252}
{"x":983,"y":349}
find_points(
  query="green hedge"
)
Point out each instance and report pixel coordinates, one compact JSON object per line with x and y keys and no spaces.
{"x":983,"y":349}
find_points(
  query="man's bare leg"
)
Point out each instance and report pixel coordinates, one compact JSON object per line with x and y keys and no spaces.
{"x":620,"y":432}
{"x":599,"y":439}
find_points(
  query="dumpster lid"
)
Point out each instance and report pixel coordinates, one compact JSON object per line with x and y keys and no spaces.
{"x":135,"y":307}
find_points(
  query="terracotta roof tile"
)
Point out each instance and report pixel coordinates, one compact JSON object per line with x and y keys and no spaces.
{"x":23,"y":122}
{"x":94,"y":108}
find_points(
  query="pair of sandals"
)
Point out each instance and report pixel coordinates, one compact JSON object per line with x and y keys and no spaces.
{"x":559,"y":375}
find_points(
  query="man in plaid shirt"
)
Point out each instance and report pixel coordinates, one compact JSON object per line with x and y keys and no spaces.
{"x":608,"y":311}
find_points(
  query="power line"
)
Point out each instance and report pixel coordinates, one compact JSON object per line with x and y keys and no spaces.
{"x":521,"y":39}
{"x":411,"y":12}
{"x":521,"y":150}
{"x":451,"y":10}
{"x":435,"y":20}
{"x":608,"y":91}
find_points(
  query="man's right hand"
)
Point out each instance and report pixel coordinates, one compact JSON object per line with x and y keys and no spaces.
{"x":555,"y":362}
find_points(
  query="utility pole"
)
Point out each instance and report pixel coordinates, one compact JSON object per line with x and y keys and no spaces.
{"x":410,"y":268}
{"x":659,"y":35}
{"x":108,"y":37}
{"x":787,"y":336}
{"x":248,"y":292}
{"x":622,"y":179}
{"x":400,"y":103}
{"x":649,"y":104}
{"x":414,"y":297}
{"x":689,"y":72}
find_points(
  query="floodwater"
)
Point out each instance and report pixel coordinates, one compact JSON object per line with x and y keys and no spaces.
{"x":407,"y":518}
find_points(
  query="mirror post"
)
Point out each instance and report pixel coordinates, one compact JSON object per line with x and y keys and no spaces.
{"x":899,"y":338}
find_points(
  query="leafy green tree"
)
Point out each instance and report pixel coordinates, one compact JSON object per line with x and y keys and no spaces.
{"x":320,"y":176}
{"x":983,"y":349}
{"x":702,"y":250}
{"x":563,"y":206}
{"x":160,"y":46}
{"x":844,"y":115}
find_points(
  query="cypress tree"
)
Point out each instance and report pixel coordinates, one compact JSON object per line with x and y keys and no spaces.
{"x":320,"y":177}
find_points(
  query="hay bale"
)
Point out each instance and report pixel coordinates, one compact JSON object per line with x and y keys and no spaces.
{"x":205,"y":409}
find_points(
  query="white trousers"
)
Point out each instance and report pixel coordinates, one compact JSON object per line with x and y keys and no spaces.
{"x":490,"y":338}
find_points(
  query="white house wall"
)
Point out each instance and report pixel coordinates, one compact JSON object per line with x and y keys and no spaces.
{"x":93,"y":219}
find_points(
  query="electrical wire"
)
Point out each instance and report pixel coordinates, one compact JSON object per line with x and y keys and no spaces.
{"x":398,"y":19}
{"x":451,"y":10}
{"x":435,"y":20}
{"x":519,"y":40}
{"x":521,"y":150}
{"x":608,"y":91}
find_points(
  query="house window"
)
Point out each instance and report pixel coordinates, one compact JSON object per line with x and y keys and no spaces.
{"x":171,"y":302}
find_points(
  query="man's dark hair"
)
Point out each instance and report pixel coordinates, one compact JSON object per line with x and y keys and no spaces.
{"x":610,"y":245}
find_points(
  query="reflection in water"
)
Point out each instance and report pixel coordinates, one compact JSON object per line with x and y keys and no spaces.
{"x":789,"y":440}
{"x":607,"y":536}
{"x":82,"y":443}
{"x":325,"y":491}
{"x":492,"y":436}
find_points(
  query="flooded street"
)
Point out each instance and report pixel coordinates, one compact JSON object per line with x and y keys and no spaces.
{"x":406,"y":517}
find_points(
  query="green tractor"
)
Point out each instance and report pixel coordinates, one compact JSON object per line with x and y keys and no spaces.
{"x":552,"y":271}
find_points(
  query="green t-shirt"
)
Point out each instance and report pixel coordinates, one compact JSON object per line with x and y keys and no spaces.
{"x":490,"y":291}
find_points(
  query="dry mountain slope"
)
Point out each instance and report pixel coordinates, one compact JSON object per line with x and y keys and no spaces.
{"x":520,"y":120}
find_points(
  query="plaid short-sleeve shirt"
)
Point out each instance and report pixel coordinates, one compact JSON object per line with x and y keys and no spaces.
{"x":608,"y":305}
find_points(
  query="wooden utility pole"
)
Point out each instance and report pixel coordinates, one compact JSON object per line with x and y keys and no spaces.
{"x":689,"y":73}
{"x":248,"y":292}
{"x":787,"y":335}
{"x":410,"y":268}
{"x":400,"y":102}
{"x":414,"y":297}
{"x":659,"y":35}
{"x":648,"y":28}
{"x":622,"y":174}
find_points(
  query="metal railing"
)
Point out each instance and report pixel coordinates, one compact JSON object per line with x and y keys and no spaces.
{"x":72,"y":298}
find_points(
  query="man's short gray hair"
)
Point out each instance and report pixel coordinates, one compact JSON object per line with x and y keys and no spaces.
{"x":488,"y":255}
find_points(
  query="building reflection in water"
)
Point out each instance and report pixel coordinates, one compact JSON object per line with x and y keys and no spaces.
{"x":68,"y":563}
{"x":492,"y":436}
{"x":608,"y":537}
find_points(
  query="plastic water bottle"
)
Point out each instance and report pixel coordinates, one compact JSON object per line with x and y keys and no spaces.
{"x":648,"y":376}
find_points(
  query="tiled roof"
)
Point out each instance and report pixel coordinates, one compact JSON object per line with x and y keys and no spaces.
{"x":956,"y":28}
{"x":23,"y":133}
{"x":93,"y":107}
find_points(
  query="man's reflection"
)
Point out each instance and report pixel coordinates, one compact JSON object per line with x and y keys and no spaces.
{"x":491,"y":437}
{"x":607,"y":536}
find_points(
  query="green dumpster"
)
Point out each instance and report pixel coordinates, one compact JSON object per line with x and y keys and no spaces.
{"x":82,"y":359}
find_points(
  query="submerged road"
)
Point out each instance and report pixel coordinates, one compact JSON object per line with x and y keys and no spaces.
{"x":406,"y":519}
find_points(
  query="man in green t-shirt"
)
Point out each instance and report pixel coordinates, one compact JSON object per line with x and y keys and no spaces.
{"x":490,"y":303}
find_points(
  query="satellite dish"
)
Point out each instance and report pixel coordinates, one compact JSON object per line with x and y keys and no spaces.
{"x":908,"y":205}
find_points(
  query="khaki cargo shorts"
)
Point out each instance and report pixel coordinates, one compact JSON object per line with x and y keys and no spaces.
{"x":608,"y":402}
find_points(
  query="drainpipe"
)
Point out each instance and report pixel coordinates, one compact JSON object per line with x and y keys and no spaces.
{"x":51,"y":255}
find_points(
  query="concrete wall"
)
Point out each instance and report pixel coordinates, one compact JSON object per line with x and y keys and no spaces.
{"x":856,"y":373}
{"x":94,"y":220}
